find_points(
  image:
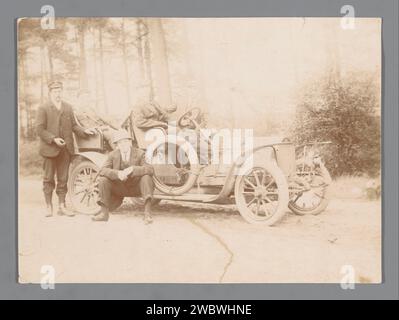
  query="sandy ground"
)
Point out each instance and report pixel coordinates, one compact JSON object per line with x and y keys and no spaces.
{"x":199,"y":244}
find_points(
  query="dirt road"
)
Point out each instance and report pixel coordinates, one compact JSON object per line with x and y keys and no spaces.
{"x":207,"y":245}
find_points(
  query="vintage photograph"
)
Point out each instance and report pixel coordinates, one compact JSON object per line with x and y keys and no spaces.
{"x":199,"y":150}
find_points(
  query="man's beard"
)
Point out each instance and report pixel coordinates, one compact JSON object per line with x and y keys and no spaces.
{"x":125,"y":150}
{"x":57,"y":101}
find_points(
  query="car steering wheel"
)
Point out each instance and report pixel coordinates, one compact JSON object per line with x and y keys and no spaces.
{"x":188,"y":119}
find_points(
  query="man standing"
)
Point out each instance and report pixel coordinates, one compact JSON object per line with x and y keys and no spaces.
{"x":124,"y":174}
{"x":54,"y":125}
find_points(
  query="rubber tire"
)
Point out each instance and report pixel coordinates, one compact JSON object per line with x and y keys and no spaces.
{"x":319,"y":209}
{"x":177,"y":191}
{"x":75,"y":171}
{"x":283,"y":195}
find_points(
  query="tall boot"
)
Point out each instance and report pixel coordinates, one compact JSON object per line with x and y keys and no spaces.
{"x":49,"y":205}
{"x":63,"y":211}
{"x":103,"y":216}
{"x":147,"y":211}
{"x":49,"y":210}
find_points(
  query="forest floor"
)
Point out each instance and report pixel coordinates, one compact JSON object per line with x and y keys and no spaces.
{"x":199,"y":244}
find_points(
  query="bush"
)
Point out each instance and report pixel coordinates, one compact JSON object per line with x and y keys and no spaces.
{"x":30,"y":161}
{"x":347,"y":113}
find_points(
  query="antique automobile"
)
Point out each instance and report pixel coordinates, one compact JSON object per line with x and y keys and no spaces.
{"x":263,"y":182}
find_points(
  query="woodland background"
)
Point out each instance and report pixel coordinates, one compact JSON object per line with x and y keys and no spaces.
{"x":303,"y":78}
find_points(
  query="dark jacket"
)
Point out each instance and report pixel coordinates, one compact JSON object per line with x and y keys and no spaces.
{"x":114,"y":163}
{"x":150,"y":115}
{"x":52,"y":123}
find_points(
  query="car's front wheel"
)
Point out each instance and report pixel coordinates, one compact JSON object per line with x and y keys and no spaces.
{"x":83,"y":187}
{"x":261,"y":195}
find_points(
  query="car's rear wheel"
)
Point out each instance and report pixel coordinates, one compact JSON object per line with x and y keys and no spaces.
{"x":261,"y":195}
{"x":175,"y":166}
{"x":312,"y":201}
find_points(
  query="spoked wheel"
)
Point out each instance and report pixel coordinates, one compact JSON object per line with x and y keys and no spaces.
{"x":171,"y":176}
{"x":262,"y":195}
{"x":83,"y":188}
{"x":312,"y":201}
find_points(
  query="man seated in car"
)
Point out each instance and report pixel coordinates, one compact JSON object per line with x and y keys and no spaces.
{"x":89,"y":116}
{"x":151,"y":114}
{"x":124,"y":174}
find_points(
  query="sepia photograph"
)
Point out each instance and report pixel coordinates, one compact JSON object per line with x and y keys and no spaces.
{"x":199,"y":150}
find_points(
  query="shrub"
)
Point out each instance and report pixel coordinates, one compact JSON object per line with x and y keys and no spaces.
{"x":30,"y":161}
{"x":347,"y":113}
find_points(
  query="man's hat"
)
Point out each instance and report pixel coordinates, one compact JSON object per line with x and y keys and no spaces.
{"x":55,"y":85}
{"x":120,"y":135}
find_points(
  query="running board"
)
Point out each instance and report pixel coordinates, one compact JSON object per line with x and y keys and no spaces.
{"x":188,"y":197}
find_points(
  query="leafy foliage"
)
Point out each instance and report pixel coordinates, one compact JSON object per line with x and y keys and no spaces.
{"x":345,"y":112}
{"x":30,"y":162}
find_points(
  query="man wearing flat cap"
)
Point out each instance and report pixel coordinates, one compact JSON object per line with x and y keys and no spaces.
{"x":124,"y":174}
{"x":55,"y":124}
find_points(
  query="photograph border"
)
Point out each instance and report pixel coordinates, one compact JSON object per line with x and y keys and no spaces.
{"x":9,"y":287}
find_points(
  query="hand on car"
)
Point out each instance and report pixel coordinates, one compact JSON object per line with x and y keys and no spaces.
{"x":59,"y":142}
{"x":128,"y":170}
{"x":148,"y":170}
{"x":90,"y":131}
{"x":122,"y":175}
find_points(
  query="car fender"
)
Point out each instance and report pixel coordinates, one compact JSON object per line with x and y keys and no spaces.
{"x":240,"y":165}
{"x":95,"y":157}
{"x":282,"y":154}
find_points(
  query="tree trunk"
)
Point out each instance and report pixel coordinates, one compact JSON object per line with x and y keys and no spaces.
{"x":100,"y":38}
{"x":21,"y":94}
{"x":125,"y":65}
{"x":24,"y":96}
{"x":42,"y":74}
{"x":335,"y":66}
{"x":147,"y":55}
{"x":139,"y":45}
{"x":83,"y":81}
{"x":196,"y":71}
{"x":95,"y":50}
{"x":50,"y":61}
{"x":159,"y":62}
